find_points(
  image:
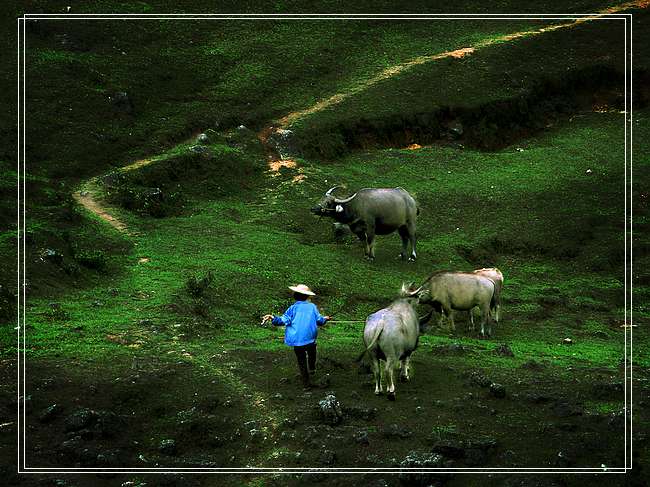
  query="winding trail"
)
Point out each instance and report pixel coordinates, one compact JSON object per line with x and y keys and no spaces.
{"x":88,"y":197}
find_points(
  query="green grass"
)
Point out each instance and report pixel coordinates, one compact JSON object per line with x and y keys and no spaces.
{"x":257,"y":242}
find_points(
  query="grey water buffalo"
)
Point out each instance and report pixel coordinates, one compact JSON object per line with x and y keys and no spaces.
{"x":374,"y":211}
{"x":497,"y":276}
{"x":458,"y":291}
{"x":391,"y":335}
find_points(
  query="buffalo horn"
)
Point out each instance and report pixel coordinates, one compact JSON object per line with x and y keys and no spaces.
{"x":336,"y":200}
{"x":329,"y":191}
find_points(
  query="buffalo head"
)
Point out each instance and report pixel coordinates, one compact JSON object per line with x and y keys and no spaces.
{"x":330,"y":204}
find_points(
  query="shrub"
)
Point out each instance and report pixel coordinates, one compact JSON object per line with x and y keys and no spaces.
{"x":197,"y":286}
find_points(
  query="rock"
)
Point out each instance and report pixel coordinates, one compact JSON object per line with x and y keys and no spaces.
{"x":479,"y":379}
{"x":167,"y":447}
{"x":361,"y":437}
{"x":257,"y":436}
{"x":49,"y":413}
{"x":53,"y":256}
{"x":284,"y":142}
{"x":202,"y":139}
{"x":395,"y":431}
{"x":504,"y":350}
{"x":421,"y":460}
{"x":80,"y":419}
{"x":330,"y":410}
{"x":202,"y":150}
{"x":455,"y":128}
{"x":289,"y":423}
{"x":497,"y":390}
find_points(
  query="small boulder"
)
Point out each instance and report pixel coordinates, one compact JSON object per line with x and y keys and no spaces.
{"x":479,"y":379}
{"x":202,"y":139}
{"x":330,"y":410}
{"x":497,"y":390}
{"x":49,"y":413}
{"x":80,"y":419}
{"x":361,"y":437}
{"x":421,"y":460}
{"x":167,"y":447}
{"x":504,"y":350}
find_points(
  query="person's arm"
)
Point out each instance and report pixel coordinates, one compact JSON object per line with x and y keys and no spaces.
{"x":321,"y":320}
{"x":285,"y":319}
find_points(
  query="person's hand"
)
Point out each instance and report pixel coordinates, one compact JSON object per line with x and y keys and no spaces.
{"x":266,"y":318}
{"x":327,"y":318}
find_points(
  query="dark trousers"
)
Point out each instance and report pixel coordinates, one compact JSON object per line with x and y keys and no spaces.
{"x":306,"y":355}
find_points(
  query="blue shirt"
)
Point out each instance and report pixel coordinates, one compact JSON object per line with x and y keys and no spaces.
{"x":301,"y":321}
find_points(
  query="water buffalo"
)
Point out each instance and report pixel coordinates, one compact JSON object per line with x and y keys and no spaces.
{"x":497,"y":276}
{"x":458,"y":291}
{"x":374,"y":211}
{"x":391,"y":334}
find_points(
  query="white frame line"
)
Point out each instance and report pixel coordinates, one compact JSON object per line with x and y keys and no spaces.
{"x":21,"y":328}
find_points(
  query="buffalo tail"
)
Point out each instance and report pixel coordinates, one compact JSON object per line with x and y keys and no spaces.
{"x":372,"y":343}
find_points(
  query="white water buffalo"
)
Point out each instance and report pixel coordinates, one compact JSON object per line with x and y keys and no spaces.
{"x":458,"y":291}
{"x":391,"y":334}
{"x":497,"y":276}
{"x":374,"y":211}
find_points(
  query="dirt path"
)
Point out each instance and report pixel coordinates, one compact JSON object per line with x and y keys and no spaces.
{"x":87,"y":197}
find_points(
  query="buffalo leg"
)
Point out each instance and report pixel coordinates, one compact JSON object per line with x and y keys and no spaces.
{"x":413,"y":238}
{"x":390,"y":379}
{"x":404,"y":373}
{"x":447,"y":310}
{"x":376,"y":371}
{"x":404,"y":235}
{"x":485,"y":318}
{"x":370,"y":238}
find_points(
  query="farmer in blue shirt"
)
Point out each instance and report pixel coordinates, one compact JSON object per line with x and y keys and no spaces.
{"x":301,"y":321}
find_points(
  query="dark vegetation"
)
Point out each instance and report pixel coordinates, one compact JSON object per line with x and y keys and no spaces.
{"x":144,"y":349}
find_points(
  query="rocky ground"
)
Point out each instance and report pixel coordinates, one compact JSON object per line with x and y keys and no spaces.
{"x":451,"y":415}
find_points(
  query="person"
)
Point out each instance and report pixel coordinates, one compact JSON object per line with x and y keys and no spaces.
{"x":301,"y":321}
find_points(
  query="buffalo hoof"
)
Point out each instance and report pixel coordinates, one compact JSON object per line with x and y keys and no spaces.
{"x":391,"y":396}
{"x":403,"y":378}
{"x":412,"y":259}
{"x":378,"y":393}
